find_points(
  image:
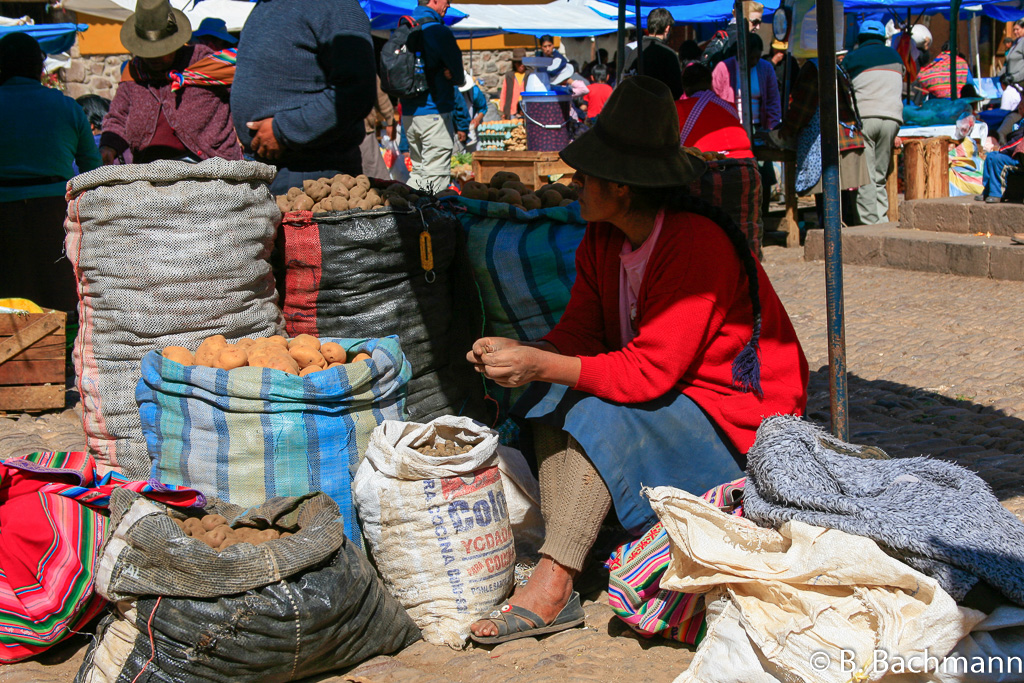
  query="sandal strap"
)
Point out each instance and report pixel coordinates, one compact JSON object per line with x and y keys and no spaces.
{"x":500,"y":618}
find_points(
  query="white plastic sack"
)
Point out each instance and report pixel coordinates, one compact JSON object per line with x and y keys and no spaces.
{"x":438,"y":527}
{"x":164,"y":253}
{"x":801,"y":601}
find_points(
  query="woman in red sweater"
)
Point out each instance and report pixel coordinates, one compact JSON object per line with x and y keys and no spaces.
{"x":673,"y":348}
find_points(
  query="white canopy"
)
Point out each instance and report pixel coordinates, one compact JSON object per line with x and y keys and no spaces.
{"x":566,"y":18}
{"x":234,"y":13}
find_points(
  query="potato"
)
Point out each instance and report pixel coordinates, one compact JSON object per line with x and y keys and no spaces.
{"x":334,"y":365}
{"x":213,"y":521}
{"x":208,"y":351}
{"x":360,"y":357}
{"x":363,"y":181}
{"x":283,"y":203}
{"x":447,"y":193}
{"x":333,"y":352}
{"x":280,"y":340}
{"x":339,"y":190}
{"x":245,"y":343}
{"x":179,"y":354}
{"x":551,"y":198}
{"x":306,"y":356}
{"x":215,"y":538}
{"x":228,"y":542}
{"x":309,"y":370}
{"x":412,"y":197}
{"x":397,"y":202}
{"x":231,"y":357}
{"x":510,"y":197}
{"x":318,"y":208}
{"x":357,"y":192}
{"x":515,"y":185}
{"x":493,"y":194}
{"x":304,"y":340}
{"x":502,"y":177}
{"x":566,"y":202}
{"x":260,"y":356}
{"x":269,"y":535}
{"x":531,"y":202}
{"x":282,"y":363}
{"x":303,"y":203}
{"x":293,"y":192}
{"x":348,"y":181}
{"x":193,"y":526}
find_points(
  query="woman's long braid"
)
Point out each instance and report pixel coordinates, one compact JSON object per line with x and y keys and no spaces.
{"x":746,"y":368}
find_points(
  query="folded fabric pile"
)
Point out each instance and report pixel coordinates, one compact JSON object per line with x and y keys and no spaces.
{"x":50,"y":536}
{"x":939,"y":518}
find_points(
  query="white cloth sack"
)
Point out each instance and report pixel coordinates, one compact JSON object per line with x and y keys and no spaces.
{"x":522,"y":491}
{"x":796,"y":598}
{"x":164,"y":253}
{"x":438,"y":527}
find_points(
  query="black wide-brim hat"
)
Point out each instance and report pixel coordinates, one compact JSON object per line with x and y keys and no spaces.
{"x":155,"y":29}
{"x":635,"y":140}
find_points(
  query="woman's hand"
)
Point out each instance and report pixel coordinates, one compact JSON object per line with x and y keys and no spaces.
{"x":514,"y":366}
{"x":107,"y":154}
{"x":488,"y":345}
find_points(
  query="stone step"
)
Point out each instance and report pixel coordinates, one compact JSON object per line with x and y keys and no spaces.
{"x":890,"y":246}
{"x":962,"y":215}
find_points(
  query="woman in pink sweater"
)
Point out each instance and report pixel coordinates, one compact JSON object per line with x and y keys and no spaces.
{"x":673,"y":348}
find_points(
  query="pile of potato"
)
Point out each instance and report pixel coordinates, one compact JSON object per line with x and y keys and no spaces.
{"x":507,"y":188}
{"x":300,"y":356}
{"x":213,"y":530}
{"x":444,"y":449}
{"x":343,"y":192}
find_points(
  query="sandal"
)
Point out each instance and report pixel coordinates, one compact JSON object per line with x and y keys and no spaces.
{"x":515,"y":622}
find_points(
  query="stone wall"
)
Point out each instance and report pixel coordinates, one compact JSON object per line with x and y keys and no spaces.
{"x":489,"y":67}
{"x":93,"y":74}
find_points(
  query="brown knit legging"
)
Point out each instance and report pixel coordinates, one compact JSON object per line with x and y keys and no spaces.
{"x":573,"y":498}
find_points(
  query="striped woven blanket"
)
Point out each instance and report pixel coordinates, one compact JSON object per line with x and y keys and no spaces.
{"x":634,"y":584}
{"x":51,"y":531}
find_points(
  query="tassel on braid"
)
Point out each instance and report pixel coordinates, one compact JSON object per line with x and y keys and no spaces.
{"x":746,"y":367}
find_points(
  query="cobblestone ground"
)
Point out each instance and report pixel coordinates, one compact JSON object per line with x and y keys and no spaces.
{"x":936,"y":368}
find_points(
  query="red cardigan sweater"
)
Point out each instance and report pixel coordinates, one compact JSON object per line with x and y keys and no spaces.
{"x":693,"y":318}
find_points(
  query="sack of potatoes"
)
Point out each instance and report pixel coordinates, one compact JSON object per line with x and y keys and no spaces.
{"x":507,"y":188}
{"x":344,"y":193}
{"x":302,"y":355}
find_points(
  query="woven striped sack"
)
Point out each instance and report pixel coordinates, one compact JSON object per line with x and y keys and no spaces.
{"x":163,"y":252}
{"x":634,"y":583}
{"x":524,"y":263}
{"x":252,"y":434}
{"x":51,"y":533}
{"x":734,"y":185}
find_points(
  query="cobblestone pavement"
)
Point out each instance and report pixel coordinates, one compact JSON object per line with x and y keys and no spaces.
{"x":936,"y":368}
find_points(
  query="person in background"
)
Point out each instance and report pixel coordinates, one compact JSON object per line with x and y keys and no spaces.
{"x":600,"y":91}
{"x":766,"y":111}
{"x":382,"y":114}
{"x":213,"y":33}
{"x":689,"y":52}
{"x":513,"y":85}
{"x":427,"y":118}
{"x":706,"y":121}
{"x":560,"y":63}
{"x":96,"y":109}
{"x":876,"y":72}
{"x":780,"y":57}
{"x":306,"y":80}
{"x":671,"y":349}
{"x":723,"y":44}
{"x":45,"y":133}
{"x":965,"y":165}
{"x":1009,"y":143}
{"x":598,"y":55}
{"x":933,"y":79}
{"x":149,"y":115}
{"x":660,"y":61}
{"x":475,"y":102}
{"x":1013,"y":69}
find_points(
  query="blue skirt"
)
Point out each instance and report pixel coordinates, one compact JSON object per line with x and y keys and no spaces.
{"x":666,"y":442}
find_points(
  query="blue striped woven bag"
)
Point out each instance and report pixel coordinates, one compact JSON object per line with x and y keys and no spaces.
{"x":251,"y":434}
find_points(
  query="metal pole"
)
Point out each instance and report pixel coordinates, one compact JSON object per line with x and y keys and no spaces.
{"x":620,"y":54}
{"x":639,"y":40}
{"x":954,"y":47}
{"x":974,"y":49}
{"x":742,"y":65}
{"x":829,"y":113}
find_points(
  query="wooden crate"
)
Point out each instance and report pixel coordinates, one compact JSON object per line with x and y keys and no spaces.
{"x":32,"y":358}
{"x":533,"y":168}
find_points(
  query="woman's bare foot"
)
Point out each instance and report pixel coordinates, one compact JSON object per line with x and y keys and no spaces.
{"x":545,"y":594}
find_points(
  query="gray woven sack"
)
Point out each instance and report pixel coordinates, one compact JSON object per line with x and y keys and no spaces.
{"x":146,"y":553}
{"x":165,"y":254}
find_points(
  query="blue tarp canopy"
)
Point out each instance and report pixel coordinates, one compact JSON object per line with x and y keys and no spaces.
{"x":1004,"y":12}
{"x":53,"y":38}
{"x":385,"y":14}
{"x":559,"y":18}
{"x":694,"y":13}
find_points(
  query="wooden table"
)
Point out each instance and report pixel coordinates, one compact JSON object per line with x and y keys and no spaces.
{"x":926,"y":163}
{"x":789,"y":223}
{"x":533,"y":168}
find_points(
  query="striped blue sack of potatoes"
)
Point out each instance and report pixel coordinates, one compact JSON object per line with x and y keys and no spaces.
{"x":250,"y":434}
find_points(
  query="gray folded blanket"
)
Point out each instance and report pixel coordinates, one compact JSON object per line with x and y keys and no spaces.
{"x":938,"y":517}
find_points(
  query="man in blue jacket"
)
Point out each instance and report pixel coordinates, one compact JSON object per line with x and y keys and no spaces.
{"x":306,"y":80}
{"x":427,"y":118}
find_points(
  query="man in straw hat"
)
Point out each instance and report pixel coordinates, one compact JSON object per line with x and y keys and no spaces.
{"x":306,"y":79}
{"x":653,"y":376}
{"x":514,"y":84}
{"x":148,"y":115}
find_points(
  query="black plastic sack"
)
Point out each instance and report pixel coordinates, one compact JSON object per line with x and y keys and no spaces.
{"x":377,"y":273}
{"x":324,"y":619}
